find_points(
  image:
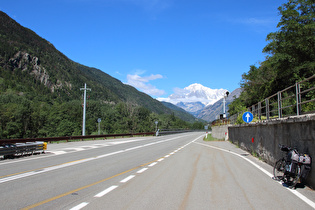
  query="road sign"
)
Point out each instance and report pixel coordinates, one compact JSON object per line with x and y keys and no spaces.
{"x":99,"y":120}
{"x":248,"y":117}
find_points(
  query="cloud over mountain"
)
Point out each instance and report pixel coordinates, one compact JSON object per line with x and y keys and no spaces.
{"x":143,"y":83}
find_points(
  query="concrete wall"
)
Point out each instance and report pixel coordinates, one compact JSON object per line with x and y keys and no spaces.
{"x":220,"y":132}
{"x":296,"y":132}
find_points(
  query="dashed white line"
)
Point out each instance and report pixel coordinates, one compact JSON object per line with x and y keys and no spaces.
{"x":105,"y":191}
{"x":152,"y":164}
{"x":56,"y":152}
{"x":127,"y":179}
{"x":142,"y":170}
{"x":80,"y":206}
{"x":76,"y":149}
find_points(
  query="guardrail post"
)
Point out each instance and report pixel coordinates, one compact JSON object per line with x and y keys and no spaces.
{"x":279,"y":105}
{"x":298,"y":98}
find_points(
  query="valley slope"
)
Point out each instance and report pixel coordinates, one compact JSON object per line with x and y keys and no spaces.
{"x":29,"y":63}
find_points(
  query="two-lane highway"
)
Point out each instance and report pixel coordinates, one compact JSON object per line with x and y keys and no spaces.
{"x":168,"y":172}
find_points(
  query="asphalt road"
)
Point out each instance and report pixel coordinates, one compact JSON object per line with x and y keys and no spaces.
{"x":168,"y":172}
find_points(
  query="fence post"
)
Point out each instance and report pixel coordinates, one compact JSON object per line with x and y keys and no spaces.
{"x":279,"y":105}
{"x":267,"y":108}
{"x":253,"y":110}
{"x":259,"y":110}
{"x":298,"y":98}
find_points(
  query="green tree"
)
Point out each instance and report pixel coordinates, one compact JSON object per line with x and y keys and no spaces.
{"x":291,"y":49}
{"x":290,"y":55}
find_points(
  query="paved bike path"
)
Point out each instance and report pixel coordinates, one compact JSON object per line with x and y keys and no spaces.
{"x":268,"y":169}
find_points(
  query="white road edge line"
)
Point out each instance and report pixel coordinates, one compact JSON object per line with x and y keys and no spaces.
{"x":105,"y":191}
{"x":80,"y":206}
{"x":299,"y":195}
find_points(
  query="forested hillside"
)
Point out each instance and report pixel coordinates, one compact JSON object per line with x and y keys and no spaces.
{"x":290,"y":56}
{"x":40,"y":92}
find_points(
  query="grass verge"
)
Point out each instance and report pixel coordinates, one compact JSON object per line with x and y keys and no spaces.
{"x":210,"y":138}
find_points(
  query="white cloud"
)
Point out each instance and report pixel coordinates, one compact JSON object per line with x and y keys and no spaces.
{"x":143,"y":83}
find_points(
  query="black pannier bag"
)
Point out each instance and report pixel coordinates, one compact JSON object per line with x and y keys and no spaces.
{"x":305,"y":170}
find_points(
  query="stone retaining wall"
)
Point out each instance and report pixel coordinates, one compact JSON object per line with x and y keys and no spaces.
{"x":220,"y":132}
{"x":296,"y":132}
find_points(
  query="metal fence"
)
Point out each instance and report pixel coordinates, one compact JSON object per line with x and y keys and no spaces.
{"x":295,"y":100}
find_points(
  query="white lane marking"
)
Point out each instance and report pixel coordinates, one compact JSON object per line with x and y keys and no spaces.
{"x":299,"y":195}
{"x":80,"y":206}
{"x":302,"y":197}
{"x":75,"y":148}
{"x":56,"y":152}
{"x":142,"y":170}
{"x":89,"y":147}
{"x":127,"y":179}
{"x":224,"y":150}
{"x":105,"y":191}
{"x":152,"y":164}
{"x":159,"y":160}
{"x":166,"y":156}
{"x":43,"y":170}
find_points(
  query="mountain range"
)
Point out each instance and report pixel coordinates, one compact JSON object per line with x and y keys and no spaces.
{"x":23,"y":52}
{"x":29,"y":63}
{"x":200,"y":101}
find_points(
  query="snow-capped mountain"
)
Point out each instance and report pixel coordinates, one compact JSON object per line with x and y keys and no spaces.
{"x":193,"y":108}
{"x":212,"y":112}
{"x":194,"y":97}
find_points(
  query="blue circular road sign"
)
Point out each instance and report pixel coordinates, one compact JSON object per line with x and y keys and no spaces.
{"x":247,"y":117}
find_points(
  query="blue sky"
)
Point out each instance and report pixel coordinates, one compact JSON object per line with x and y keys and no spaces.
{"x":156,"y":45}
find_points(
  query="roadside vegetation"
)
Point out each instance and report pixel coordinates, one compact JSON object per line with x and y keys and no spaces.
{"x":210,"y":138}
{"x":40,"y":93}
{"x":290,"y":57}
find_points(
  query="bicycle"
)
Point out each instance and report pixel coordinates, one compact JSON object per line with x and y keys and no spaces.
{"x":288,"y":168}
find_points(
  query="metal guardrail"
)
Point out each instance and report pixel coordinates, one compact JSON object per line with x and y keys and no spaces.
{"x":70,"y":138}
{"x":10,"y":148}
{"x":20,"y":149}
{"x":169,"y":132}
{"x":295,"y":100}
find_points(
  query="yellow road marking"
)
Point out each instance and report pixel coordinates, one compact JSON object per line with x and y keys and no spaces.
{"x":81,"y":188}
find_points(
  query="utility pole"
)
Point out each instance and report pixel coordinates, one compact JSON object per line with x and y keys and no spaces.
{"x":84,"y":107}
